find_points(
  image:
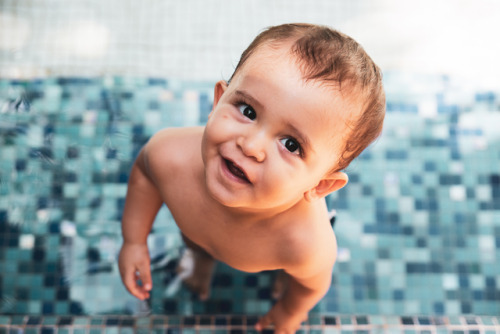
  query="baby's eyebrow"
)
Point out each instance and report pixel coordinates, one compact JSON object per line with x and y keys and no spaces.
{"x":249,"y":98}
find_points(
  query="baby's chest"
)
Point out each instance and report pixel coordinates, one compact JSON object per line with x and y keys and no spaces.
{"x":239,"y":248}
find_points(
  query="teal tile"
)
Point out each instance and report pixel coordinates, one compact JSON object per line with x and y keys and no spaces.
{"x":112,"y":330}
{"x":143,"y":331}
{"x":97,"y":321}
{"x":18,"y":320}
{"x":126,"y":330}
{"x":64,"y":331}
{"x":94,"y":330}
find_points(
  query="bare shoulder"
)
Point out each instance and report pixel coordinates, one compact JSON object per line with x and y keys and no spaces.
{"x":311,"y":246}
{"x":172,"y":148}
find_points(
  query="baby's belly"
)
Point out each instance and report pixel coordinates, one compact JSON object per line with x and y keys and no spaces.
{"x":238,"y":254}
{"x":239,"y":250}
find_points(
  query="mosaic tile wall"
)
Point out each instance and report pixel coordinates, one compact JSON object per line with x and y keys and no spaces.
{"x":236,"y":324}
{"x":418,"y":225}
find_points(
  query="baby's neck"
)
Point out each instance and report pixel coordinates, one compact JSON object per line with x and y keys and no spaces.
{"x":253,"y":216}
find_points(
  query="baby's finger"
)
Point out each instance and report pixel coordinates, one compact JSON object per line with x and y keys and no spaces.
{"x":130,"y":281}
{"x":145,"y":277}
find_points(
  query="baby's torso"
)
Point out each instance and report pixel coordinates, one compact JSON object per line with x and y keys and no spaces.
{"x":240,"y":247}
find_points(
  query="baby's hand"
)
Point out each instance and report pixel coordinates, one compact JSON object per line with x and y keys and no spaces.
{"x":134,"y":264}
{"x":283,"y":320}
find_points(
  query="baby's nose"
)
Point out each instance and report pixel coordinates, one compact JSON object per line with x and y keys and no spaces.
{"x":253,"y":145}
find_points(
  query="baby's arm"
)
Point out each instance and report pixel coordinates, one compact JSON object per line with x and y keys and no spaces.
{"x":142,"y":203}
{"x":307,"y":284}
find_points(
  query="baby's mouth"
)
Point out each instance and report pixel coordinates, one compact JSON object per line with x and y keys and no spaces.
{"x":236,"y":171}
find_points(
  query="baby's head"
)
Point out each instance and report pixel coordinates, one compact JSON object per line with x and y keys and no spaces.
{"x":337,"y":61}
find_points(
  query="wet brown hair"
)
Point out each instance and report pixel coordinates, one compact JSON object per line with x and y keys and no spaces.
{"x":332,"y":57}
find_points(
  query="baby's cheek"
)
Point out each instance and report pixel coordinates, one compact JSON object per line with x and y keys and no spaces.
{"x":219,"y":130}
{"x":214,"y":135}
{"x":210,"y":129}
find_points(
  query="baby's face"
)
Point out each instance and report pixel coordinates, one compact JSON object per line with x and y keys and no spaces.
{"x":272,"y":136}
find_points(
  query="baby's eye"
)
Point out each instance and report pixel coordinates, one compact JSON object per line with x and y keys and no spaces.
{"x":247,"y":111}
{"x":291,"y":145}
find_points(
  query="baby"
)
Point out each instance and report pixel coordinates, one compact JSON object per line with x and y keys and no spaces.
{"x":249,"y":188}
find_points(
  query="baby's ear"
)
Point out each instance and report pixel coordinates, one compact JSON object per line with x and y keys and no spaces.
{"x":220,"y":88}
{"x":327,"y":185}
